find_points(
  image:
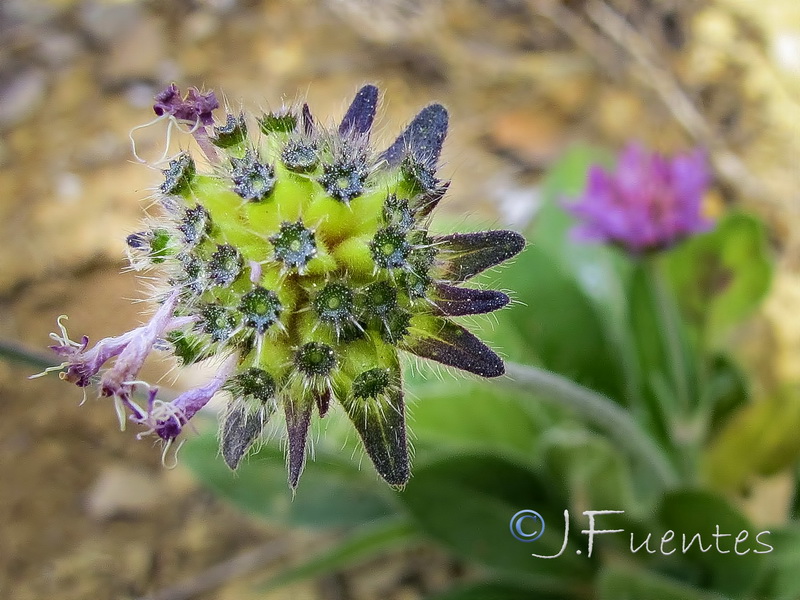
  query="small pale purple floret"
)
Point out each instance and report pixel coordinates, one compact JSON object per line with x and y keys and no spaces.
{"x":167,"y":420}
{"x":194,"y":107}
{"x":116,"y":381}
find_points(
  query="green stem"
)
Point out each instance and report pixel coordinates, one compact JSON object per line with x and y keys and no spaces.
{"x":595,"y":409}
{"x":18,"y":353}
{"x":684,"y":427}
{"x":670,"y":332}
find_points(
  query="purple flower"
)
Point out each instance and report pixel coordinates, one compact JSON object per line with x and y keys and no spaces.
{"x":650,"y":202}
{"x":82,"y":365}
{"x":130,"y":349}
{"x":194,"y":107}
{"x":117,"y":380}
{"x":167,"y":419}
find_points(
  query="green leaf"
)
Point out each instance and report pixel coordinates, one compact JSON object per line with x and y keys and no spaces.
{"x":591,"y":468}
{"x":621,"y":583}
{"x":334,"y":493}
{"x":363,"y":544}
{"x":454,"y":414}
{"x":561,"y":328}
{"x":493,"y":591}
{"x":599,"y":270}
{"x":782,"y":576}
{"x":725,"y":566}
{"x":758,"y":439}
{"x":720,"y":277}
{"x":466,"y":502}
{"x":569,"y":318}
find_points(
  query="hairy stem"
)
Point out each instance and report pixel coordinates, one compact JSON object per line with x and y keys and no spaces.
{"x":595,"y":409}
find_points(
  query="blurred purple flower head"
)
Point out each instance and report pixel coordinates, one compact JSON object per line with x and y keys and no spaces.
{"x":650,"y":202}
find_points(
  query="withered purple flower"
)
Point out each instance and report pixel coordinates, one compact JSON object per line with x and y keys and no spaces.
{"x":303,"y":263}
{"x":649,"y":202}
{"x":194,"y":107}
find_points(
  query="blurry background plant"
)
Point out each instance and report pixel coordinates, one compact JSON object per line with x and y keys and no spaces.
{"x":94,"y":513}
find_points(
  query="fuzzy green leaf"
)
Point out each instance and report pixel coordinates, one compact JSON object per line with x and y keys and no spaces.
{"x":560,"y":326}
{"x":623,"y":583}
{"x":759,"y":439}
{"x":336,"y":494}
{"x":691,"y":512}
{"x":590,"y":467}
{"x":720,"y":277}
{"x":466,"y":503}
{"x":363,"y":544}
{"x":457,"y":415}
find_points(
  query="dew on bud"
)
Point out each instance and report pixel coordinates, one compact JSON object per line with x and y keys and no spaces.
{"x":397,"y":214}
{"x":379,"y":298}
{"x":233,"y":133}
{"x":217,"y":321}
{"x":344,"y":179}
{"x":195,"y":225}
{"x":315,"y":359}
{"x":225,"y":265}
{"x":252,"y":180}
{"x":300,"y":156}
{"x":371,"y":384}
{"x":414,"y":283}
{"x":179,"y":175}
{"x":418,"y":175}
{"x":390,"y":249}
{"x":252,"y":384}
{"x":334,"y":304}
{"x":394,"y":325}
{"x":193,"y":275}
{"x":260,"y":308}
{"x":294,"y":244}
{"x":280,"y":122}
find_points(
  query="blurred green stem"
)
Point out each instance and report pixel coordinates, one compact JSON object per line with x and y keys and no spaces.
{"x":683,"y":426}
{"x":18,"y":353}
{"x":669,"y":321}
{"x":597,"y":410}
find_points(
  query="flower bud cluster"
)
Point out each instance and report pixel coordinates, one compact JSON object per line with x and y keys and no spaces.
{"x":303,"y":260}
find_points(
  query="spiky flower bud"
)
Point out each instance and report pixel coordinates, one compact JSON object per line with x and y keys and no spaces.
{"x":302,"y":260}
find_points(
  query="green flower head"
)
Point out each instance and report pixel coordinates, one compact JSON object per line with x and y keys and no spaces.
{"x":301,"y":261}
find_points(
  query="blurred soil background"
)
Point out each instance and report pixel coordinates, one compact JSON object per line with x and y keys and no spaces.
{"x":89,"y":512}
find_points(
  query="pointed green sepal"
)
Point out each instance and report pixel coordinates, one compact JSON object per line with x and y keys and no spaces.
{"x":464,"y":255}
{"x":445,"y":342}
{"x":377,"y":410}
